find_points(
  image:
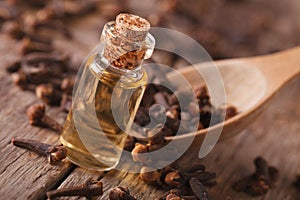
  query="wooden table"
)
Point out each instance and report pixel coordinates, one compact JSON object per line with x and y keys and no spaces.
{"x":25,"y":175}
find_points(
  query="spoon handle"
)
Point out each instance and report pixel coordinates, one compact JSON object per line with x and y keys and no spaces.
{"x":278,"y":68}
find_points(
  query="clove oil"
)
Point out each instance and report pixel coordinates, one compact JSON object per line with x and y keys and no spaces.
{"x":107,"y":94}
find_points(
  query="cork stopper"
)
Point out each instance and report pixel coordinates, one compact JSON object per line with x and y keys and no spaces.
{"x":132,"y":27}
{"x":126,"y":41}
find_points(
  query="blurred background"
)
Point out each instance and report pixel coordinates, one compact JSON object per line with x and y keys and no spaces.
{"x":226,"y":28}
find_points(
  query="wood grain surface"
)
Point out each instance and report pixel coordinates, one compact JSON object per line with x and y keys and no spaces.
{"x":275,"y":135}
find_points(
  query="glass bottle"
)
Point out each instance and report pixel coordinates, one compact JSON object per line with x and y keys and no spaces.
{"x":107,"y":94}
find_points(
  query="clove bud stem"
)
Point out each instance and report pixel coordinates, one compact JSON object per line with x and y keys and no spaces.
{"x":54,"y":154}
{"x":37,"y":117}
{"x":89,"y":189}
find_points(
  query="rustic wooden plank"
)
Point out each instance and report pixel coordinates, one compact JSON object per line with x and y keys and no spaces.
{"x":112,"y":179}
{"x":275,"y":136}
{"x":78,"y":177}
{"x":137,"y":187}
{"x":23,"y":175}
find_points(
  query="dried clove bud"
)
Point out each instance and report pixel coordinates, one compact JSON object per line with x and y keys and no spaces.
{"x":89,"y":189}
{"x":198,"y":189}
{"x":139,"y":153}
{"x":54,"y":154}
{"x":52,"y":64}
{"x":21,"y":80}
{"x":37,"y":68}
{"x":228,"y":111}
{"x":149,"y":174}
{"x":36,"y":116}
{"x":129,"y":143}
{"x":173,"y":178}
{"x":260,"y":182}
{"x":29,"y":46}
{"x":172,"y":100}
{"x":262,"y":170}
{"x":201,"y":92}
{"x":120,"y":193}
{"x":13,"y":29}
{"x":48,"y":94}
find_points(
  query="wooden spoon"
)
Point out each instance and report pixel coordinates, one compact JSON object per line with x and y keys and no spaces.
{"x":250,"y":84}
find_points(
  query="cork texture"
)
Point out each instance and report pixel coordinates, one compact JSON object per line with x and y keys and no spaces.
{"x":125,"y":47}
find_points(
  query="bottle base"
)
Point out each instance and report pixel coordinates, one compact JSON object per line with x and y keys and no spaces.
{"x":84,"y":159}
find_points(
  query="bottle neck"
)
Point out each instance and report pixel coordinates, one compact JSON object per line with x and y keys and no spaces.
{"x":101,"y":67}
{"x":125,"y":44}
{"x":125,"y":52}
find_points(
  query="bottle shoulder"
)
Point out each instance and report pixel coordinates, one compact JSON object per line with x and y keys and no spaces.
{"x":118,"y":77}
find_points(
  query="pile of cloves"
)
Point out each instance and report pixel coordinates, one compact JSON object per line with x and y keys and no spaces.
{"x":42,"y":68}
{"x":260,"y":182}
{"x":47,"y":75}
{"x":188,"y":183}
{"x":44,"y":14}
{"x":185,"y":115}
{"x":182,"y":183}
{"x":160,"y":103}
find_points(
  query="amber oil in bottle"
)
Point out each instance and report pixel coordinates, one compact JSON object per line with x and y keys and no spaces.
{"x":107,"y":94}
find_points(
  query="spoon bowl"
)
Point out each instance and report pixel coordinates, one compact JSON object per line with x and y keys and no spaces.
{"x":249,"y":83}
